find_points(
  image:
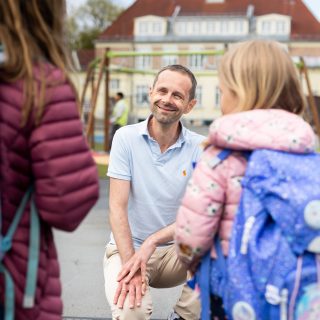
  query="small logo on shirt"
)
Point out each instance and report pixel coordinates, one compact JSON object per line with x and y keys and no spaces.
{"x":184,"y":172}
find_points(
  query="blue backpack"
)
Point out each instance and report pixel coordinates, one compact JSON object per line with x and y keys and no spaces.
{"x":273,"y":267}
{"x":33,"y":257}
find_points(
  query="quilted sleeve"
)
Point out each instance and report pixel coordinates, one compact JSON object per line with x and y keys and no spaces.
{"x":199,"y":215}
{"x":65,"y":174}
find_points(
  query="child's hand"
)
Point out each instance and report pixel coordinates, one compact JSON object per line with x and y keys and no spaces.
{"x":194,"y":265}
{"x":187,"y":257}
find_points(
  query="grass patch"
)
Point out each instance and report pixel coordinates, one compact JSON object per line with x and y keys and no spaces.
{"x":98,"y":147}
{"x":102,"y":171}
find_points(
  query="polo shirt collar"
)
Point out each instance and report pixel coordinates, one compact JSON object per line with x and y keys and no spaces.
{"x":144,"y":132}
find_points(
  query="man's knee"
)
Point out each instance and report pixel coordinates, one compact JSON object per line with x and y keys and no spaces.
{"x":112,"y":266}
{"x":142,"y":313}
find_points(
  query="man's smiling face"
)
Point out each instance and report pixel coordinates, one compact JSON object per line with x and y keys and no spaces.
{"x":170,"y":97}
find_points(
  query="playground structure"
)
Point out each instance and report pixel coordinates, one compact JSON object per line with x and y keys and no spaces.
{"x":104,"y":70}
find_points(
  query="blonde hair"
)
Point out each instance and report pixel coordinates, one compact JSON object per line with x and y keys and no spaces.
{"x":262,"y":75}
{"x":31,"y":33}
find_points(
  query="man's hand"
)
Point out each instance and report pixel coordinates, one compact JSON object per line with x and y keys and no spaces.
{"x":134,"y":288}
{"x":133,"y":277}
{"x":138,"y":262}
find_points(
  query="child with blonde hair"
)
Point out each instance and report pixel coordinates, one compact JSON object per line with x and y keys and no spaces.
{"x":261,"y":103}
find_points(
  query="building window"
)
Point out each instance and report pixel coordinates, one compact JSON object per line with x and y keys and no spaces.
{"x":169,"y":59}
{"x":142,"y":96}
{"x":143,"y":27}
{"x":143,"y":62}
{"x":114,"y":84}
{"x":210,"y":27}
{"x":238,"y":25}
{"x":217,"y":97}
{"x":196,"y":27}
{"x":280,"y":27}
{"x":224,"y":27}
{"x":181,"y":28}
{"x":150,"y":27}
{"x":156,"y":27}
{"x":196,"y":61}
{"x":199,"y":96}
{"x":266,"y":27}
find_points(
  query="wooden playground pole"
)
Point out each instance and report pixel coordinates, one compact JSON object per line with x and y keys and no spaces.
{"x":86,"y":83}
{"x":92,"y":143}
{"x":107,"y":107}
{"x":311,"y":99}
{"x":90,"y":127}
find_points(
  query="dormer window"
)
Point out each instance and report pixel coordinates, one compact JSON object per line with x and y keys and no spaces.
{"x":224,"y":27}
{"x":143,"y":27}
{"x":209,"y":26}
{"x":266,"y":27}
{"x":274,"y":24}
{"x":280,"y":27}
{"x":150,"y":26}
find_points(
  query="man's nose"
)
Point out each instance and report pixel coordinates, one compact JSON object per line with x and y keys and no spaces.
{"x":167,"y":98}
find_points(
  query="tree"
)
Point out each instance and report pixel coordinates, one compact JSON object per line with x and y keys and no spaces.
{"x":87,"y":21}
{"x":99,"y":13}
{"x":72,"y":30}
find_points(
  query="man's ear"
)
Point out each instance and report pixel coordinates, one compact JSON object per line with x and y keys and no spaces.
{"x":190,"y":106}
{"x":150,"y":91}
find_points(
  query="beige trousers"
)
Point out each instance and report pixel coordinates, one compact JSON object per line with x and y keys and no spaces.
{"x":163,"y":271}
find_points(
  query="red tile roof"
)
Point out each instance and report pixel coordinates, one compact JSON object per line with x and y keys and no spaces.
{"x":304,"y":24}
{"x":85,"y":56}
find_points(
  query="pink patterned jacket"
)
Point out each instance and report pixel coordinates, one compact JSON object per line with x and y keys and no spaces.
{"x":212,"y":195}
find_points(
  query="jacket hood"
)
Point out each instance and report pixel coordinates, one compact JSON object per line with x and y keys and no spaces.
{"x":263,"y":129}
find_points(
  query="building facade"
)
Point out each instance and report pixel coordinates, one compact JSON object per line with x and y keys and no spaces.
{"x":165,"y":27}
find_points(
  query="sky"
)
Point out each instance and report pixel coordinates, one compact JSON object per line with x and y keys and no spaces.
{"x":314,"y":5}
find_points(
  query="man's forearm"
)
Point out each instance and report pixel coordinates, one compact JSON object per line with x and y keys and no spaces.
{"x":140,"y":259}
{"x":122,"y":235}
{"x":162,"y":236}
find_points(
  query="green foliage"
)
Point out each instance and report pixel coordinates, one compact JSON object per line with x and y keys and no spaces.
{"x":99,"y":13}
{"x":86,"y":38}
{"x":85,"y":23}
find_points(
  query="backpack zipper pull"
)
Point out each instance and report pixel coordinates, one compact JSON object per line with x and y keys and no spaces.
{"x":283,"y":304}
{"x":274,"y":297}
{"x":246,"y":235}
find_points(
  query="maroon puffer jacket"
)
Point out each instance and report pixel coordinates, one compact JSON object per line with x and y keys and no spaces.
{"x":56,"y":157}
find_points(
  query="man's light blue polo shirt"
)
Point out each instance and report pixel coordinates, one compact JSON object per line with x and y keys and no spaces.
{"x":158,"y":180}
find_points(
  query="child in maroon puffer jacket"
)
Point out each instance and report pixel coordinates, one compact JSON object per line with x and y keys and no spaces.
{"x":41,"y":145}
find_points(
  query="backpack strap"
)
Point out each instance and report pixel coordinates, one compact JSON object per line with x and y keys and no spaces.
{"x":203,"y":280}
{"x":33,"y":257}
{"x":204,"y":274}
{"x":222,"y":155}
{"x":6,"y":242}
{"x":8,"y":294}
